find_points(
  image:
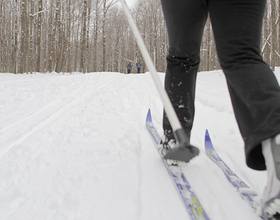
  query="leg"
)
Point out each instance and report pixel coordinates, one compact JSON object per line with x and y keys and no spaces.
{"x":185,"y":20}
{"x":254,"y":90}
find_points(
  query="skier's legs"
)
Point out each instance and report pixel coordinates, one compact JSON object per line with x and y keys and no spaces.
{"x":254,"y":90}
{"x":185,"y":20}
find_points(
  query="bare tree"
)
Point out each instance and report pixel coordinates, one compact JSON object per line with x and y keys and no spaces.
{"x":39,"y":33}
{"x":24,"y":38}
{"x":107,"y":4}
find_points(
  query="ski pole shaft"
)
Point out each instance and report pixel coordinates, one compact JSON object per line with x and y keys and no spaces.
{"x":173,"y":119}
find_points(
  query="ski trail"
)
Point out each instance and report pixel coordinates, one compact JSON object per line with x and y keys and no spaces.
{"x":90,"y":156}
{"x":17,"y":132}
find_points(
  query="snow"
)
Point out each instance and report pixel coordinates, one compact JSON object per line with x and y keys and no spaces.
{"x":75,"y":146}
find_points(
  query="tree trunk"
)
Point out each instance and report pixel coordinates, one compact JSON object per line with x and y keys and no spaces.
{"x":24,"y":38}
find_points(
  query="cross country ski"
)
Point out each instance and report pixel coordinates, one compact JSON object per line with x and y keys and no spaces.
{"x":187,"y":195}
{"x":245,"y":191}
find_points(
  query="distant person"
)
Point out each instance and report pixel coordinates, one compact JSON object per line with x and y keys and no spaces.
{"x":129,"y":68}
{"x":138,"y":66}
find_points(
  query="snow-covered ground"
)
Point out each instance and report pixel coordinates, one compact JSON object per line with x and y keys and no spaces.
{"x":76,"y":147}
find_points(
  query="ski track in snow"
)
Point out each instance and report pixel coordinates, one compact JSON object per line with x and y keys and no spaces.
{"x":76,"y":147}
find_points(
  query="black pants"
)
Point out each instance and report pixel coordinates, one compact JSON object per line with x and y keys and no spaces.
{"x":254,"y":90}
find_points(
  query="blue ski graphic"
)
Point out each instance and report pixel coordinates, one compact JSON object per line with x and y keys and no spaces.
{"x":245,"y":191}
{"x":188,"y":197}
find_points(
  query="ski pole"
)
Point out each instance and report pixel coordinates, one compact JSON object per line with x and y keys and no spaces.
{"x":179,"y":133}
{"x":165,"y":99}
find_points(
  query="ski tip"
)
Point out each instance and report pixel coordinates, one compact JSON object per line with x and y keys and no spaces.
{"x":207,"y":136}
{"x":149,"y":116}
{"x":182,"y":153}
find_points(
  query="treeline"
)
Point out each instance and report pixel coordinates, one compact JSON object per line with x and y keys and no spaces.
{"x":94,"y":36}
{"x":270,"y":48}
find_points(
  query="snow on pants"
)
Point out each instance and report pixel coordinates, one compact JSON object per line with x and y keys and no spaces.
{"x":254,"y":90}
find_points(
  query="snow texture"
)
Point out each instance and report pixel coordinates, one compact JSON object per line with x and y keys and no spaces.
{"x":76,"y":147}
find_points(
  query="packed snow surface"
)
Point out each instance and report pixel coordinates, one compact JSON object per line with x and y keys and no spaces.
{"x":75,"y":146}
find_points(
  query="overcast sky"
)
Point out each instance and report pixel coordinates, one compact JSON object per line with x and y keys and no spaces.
{"x":129,"y":2}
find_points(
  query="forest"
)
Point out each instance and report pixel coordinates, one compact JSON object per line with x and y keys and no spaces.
{"x":94,"y":36}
